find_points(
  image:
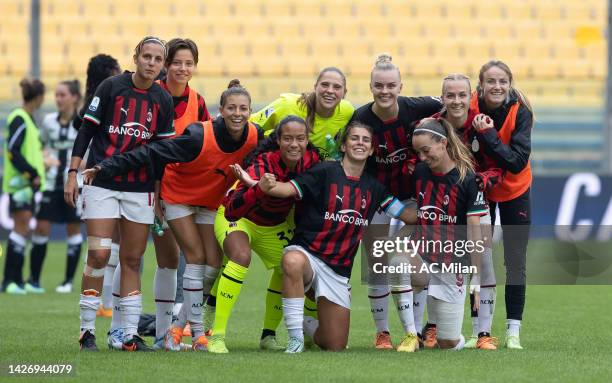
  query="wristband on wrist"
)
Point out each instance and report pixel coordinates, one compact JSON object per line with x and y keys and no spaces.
{"x":73,"y":170}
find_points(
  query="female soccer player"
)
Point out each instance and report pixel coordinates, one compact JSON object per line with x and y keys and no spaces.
{"x":192,"y":192}
{"x":99,"y":68}
{"x":339,"y":200}
{"x":57,"y":135}
{"x":126,"y":112}
{"x":324,"y":109}
{"x":189,"y":106}
{"x":24,"y":174}
{"x":392,"y":117}
{"x":456,"y":94}
{"x":252,"y":221}
{"x":449,"y":209}
{"x":504,"y":121}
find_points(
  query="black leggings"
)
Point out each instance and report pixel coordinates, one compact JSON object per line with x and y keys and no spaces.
{"x":515,"y":216}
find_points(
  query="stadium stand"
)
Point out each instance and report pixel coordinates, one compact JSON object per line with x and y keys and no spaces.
{"x":557,"y":49}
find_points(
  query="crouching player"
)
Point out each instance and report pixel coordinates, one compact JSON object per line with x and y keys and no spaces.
{"x":449,"y":207}
{"x":339,"y":201}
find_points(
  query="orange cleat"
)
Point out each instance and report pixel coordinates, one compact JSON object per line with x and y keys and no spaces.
{"x":487,"y":343}
{"x":187,"y":330}
{"x":200,"y":344}
{"x":106,"y":313}
{"x":383,"y":341}
{"x":430,"y":337}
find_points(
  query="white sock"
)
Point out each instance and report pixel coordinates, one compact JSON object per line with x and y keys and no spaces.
{"x":116,"y":296}
{"x":88,"y":305}
{"x":109,"y":272}
{"x":193,"y":282}
{"x":459,"y":345}
{"x":177,"y":308}
{"x":418,"y":306}
{"x":402,"y":296}
{"x":293,"y":311}
{"x":431,"y":314}
{"x":310,"y":326}
{"x":485,"y":312}
{"x":210,"y":276}
{"x":379,"y":306}
{"x":513,"y":327}
{"x":165,"y":291}
{"x":475,"y":325}
{"x":131,"y":308}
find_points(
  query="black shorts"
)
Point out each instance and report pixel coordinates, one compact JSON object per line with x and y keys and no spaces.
{"x":54,"y":208}
{"x":15,"y":206}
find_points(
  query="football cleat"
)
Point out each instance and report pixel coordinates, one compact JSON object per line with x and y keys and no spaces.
{"x":487,"y":343}
{"x":114,"y":339}
{"x":187,"y":330}
{"x":34,"y":288}
{"x":87,"y":342}
{"x":383,"y":341}
{"x":172,"y":339}
{"x":410,"y":343}
{"x":294,"y":346}
{"x":15,"y":289}
{"x":513,"y":342}
{"x":430,"y":334}
{"x":471,"y":343}
{"x":103,"y":312}
{"x":269,"y":343}
{"x":200,"y":344}
{"x":216,"y":345}
{"x":64,"y":288}
{"x":136,"y":344}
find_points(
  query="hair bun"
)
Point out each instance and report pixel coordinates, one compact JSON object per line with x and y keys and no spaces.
{"x":383,"y":58}
{"x":234,"y":83}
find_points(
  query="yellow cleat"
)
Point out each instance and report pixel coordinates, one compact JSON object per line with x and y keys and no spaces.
{"x":410,"y":343}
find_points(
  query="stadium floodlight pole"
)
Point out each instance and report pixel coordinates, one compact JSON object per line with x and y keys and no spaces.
{"x":608,"y":118}
{"x":35,"y":39}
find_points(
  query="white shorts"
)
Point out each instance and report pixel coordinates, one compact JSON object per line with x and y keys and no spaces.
{"x":203,"y":216}
{"x":325,"y":281}
{"x":101,"y":203}
{"x":448,"y":287}
{"x":449,"y":317}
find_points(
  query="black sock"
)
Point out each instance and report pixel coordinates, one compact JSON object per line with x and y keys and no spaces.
{"x":72,"y":261}
{"x":265,"y":332}
{"x":17,"y":272}
{"x":212,"y":301}
{"x":474,"y":312}
{"x":37,"y":257}
{"x":9,"y":264}
{"x":515,"y":301}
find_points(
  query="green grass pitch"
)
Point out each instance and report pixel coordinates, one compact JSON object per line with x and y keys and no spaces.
{"x":566,"y":334}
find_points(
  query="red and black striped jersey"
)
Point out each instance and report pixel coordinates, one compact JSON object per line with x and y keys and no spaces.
{"x":393,"y":141}
{"x":336,"y":211}
{"x":443,"y":206}
{"x":126,"y":118}
{"x":251,"y":203}
{"x":484,"y":161}
{"x":180,"y":103}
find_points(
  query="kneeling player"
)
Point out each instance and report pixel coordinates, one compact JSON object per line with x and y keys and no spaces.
{"x":339,"y":202}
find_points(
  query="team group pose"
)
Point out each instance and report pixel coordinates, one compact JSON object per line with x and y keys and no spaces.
{"x":269,"y":183}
